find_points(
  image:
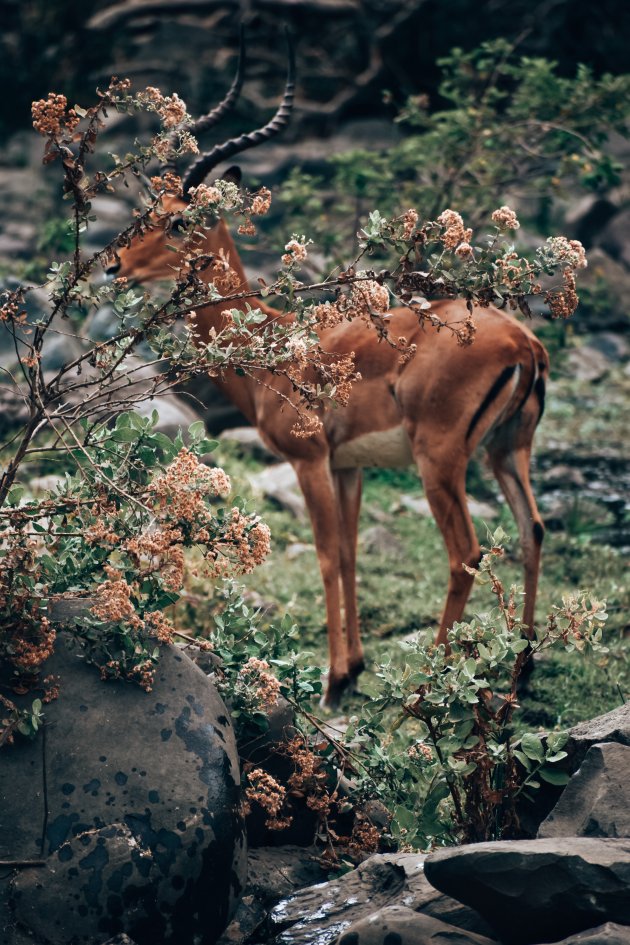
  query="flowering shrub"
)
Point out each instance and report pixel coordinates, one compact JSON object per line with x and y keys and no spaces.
{"x":441,"y":747}
{"x":120,"y":546}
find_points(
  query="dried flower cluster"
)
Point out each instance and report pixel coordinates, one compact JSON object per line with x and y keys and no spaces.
{"x":52,"y":117}
{"x":265,"y":791}
{"x":454,"y":229}
{"x":168,"y":183}
{"x":170,"y":108}
{"x":505,"y":218}
{"x":295,"y":251}
{"x":420,"y":751}
{"x":570,"y":251}
{"x":563,"y":302}
{"x":409,"y":221}
{"x":261,"y":202}
{"x":257,"y":681}
{"x":204,"y":196}
{"x":225,"y":278}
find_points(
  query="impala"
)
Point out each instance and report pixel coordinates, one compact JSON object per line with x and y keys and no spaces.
{"x":433,"y":411}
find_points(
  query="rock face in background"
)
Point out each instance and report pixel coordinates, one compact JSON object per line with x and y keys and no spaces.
{"x":613,"y":728}
{"x":131,"y":799}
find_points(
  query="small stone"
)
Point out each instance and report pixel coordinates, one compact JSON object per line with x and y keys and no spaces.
{"x":297,"y":549}
{"x":564,"y":475}
{"x":610,"y":933}
{"x":279,"y":483}
{"x":250,"y":442}
{"x":378,"y":540}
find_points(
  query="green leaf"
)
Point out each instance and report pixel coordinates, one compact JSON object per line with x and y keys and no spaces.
{"x":196,"y":430}
{"x":406,"y":818}
{"x":554,"y":776}
{"x":532,"y":746}
{"x":470,"y":668}
{"x":123,"y":435}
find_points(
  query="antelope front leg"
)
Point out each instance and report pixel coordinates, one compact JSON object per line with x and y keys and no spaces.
{"x":348,"y":490}
{"x":316,"y":482}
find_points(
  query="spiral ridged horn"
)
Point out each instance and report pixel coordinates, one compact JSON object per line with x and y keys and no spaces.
{"x":198,"y":171}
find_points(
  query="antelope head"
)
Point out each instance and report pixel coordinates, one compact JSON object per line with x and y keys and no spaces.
{"x":147,"y":258}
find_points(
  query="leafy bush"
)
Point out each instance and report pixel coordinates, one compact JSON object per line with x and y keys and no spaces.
{"x":510,"y":125}
{"x":440,"y":746}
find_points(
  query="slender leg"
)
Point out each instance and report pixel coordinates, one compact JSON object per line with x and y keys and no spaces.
{"x":348,"y":490}
{"x":512,"y":472}
{"x":316,"y":482}
{"x":445,"y":487}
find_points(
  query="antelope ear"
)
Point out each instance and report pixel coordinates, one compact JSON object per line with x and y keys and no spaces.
{"x":233,"y":175}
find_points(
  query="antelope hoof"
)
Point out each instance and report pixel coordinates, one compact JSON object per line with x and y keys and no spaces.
{"x":356,"y":669}
{"x":335,"y":688}
{"x":524,"y":679}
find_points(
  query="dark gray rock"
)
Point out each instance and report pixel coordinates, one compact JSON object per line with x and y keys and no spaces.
{"x":607,"y":934}
{"x":321,"y":913}
{"x":608,"y":280}
{"x":538,"y":890}
{"x":615,"y":237}
{"x":596,"y":801}
{"x":102,"y":324}
{"x":585,"y":363}
{"x":399,"y":925}
{"x":59,"y":350}
{"x":273,"y":873}
{"x":132,"y":801}
{"x":612,"y":727}
{"x":611,"y":344}
{"x":14,"y":410}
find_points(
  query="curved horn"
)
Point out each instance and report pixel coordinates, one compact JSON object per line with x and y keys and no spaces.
{"x":212,"y":118}
{"x":198,"y":171}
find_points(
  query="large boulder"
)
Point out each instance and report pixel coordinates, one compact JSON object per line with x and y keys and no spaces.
{"x":273,"y":873}
{"x":538,"y":890}
{"x":130,"y":801}
{"x":596,"y":801}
